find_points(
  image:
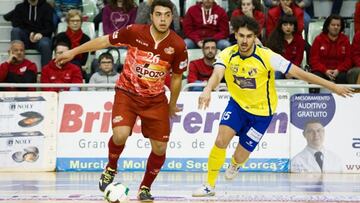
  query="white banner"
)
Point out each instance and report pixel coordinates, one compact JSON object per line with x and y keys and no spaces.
{"x":325,"y":133}
{"x":28,"y":131}
{"x":84,"y":130}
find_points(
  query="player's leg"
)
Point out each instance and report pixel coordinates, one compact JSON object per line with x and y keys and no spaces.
{"x":249,"y":138}
{"x":155,"y":125}
{"x":231,"y":122}
{"x":122,"y":121}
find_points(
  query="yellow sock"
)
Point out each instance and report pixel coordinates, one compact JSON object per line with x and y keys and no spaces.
{"x":215,"y":162}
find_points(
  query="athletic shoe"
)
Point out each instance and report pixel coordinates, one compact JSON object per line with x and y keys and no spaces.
{"x":106,"y":178}
{"x":144,"y":194}
{"x":204,"y":191}
{"x":232,"y":171}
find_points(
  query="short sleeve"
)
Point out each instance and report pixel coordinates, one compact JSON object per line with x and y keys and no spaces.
{"x":222,"y":58}
{"x":122,"y":36}
{"x":180,"y":62}
{"x":279,"y":63}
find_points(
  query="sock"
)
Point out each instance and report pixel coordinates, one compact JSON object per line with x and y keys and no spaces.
{"x":233,"y":162}
{"x":153,"y":166}
{"x":114,"y":153}
{"x":215,"y":162}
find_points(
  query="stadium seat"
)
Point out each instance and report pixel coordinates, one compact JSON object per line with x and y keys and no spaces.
{"x":315,"y":28}
{"x":87,"y":27}
{"x":89,"y":9}
{"x":123,"y":53}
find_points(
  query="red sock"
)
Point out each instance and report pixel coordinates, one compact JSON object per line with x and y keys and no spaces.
{"x":114,"y":153}
{"x":153,"y":166}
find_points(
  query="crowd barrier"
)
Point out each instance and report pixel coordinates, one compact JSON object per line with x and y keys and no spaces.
{"x":69,"y":131}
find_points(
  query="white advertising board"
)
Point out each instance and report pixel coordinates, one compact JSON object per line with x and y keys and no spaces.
{"x":84,"y":128}
{"x":28,"y":131}
{"x":329,"y":124}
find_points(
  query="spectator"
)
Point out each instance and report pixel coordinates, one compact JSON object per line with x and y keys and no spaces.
{"x":353,"y":75}
{"x":74,"y":36}
{"x":271,"y":3}
{"x":330,"y":56}
{"x":357,"y":17}
{"x":143,"y":13}
{"x":100,"y":4}
{"x":205,"y":20}
{"x":118,"y":14}
{"x":285,"y":41}
{"x":251,"y":8}
{"x":287,"y":7}
{"x":63,"y":6}
{"x":106,"y":73}
{"x":64,"y":73}
{"x":32,"y":23}
{"x":18,"y":69}
{"x":314,"y":157}
{"x":200,"y":70}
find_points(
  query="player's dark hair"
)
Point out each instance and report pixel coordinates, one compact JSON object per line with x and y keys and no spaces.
{"x":164,"y":3}
{"x":245,"y":21}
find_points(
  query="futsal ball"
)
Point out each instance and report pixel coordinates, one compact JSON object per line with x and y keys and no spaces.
{"x":116,"y":193}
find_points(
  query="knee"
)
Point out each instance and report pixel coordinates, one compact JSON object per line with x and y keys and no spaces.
{"x":45,"y":43}
{"x":189,"y":43}
{"x":222,"y":44}
{"x":220,"y":142}
{"x":159,"y":148}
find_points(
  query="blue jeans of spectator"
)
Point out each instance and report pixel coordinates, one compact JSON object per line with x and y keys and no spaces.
{"x":336,"y":7}
{"x":221,"y":44}
{"x":307,"y":19}
{"x":197,"y":88}
{"x":43,"y":45}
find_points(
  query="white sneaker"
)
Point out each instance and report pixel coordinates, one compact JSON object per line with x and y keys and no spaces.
{"x":232,"y":171}
{"x":204,"y":191}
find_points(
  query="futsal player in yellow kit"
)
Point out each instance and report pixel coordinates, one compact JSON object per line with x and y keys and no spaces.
{"x":249,"y":74}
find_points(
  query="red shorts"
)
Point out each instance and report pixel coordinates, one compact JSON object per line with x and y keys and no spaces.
{"x":153,"y":112}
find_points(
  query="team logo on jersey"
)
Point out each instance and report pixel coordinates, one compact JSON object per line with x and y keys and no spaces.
{"x":142,"y":43}
{"x":146,"y":72}
{"x":117,"y":119}
{"x":183,"y":64}
{"x":169,"y":50}
{"x":252,"y":71}
{"x":234,"y":68}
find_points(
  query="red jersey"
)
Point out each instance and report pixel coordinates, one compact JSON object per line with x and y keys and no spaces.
{"x":258,"y":16}
{"x":199,"y":70}
{"x":327,"y":54}
{"x":355,"y":50}
{"x":294,"y":51}
{"x":69,"y":73}
{"x":147,"y":62}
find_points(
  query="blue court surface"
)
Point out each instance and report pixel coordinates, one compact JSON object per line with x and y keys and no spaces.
{"x":40,"y":187}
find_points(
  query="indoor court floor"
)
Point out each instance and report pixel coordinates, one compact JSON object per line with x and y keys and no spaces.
{"x":82,"y":187}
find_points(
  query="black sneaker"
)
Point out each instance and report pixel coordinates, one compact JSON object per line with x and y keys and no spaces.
{"x":144,"y":194}
{"x":106,"y":178}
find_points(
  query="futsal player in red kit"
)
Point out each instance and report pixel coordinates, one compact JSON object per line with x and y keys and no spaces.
{"x":153,"y":51}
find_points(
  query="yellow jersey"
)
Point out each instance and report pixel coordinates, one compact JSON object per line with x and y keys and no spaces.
{"x":251,"y":80}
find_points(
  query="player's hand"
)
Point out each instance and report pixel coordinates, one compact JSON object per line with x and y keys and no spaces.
{"x":64,"y":57}
{"x":204,"y":99}
{"x":343,"y":91}
{"x":173,"y":109}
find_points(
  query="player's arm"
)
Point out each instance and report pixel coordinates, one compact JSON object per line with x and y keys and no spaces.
{"x":175,"y":89}
{"x":213,"y":82}
{"x":314,"y":79}
{"x":92,"y":45}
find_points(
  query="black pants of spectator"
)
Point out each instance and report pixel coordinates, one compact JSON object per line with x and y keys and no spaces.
{"x":43,"y":45}
{"x":340,"y":79}
{"x":336,"y":7}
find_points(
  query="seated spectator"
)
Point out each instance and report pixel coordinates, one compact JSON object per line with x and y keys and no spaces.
{"x":253,"y":9}
{"x":143,"y":16}
{"x":285,"y":41}
{"x":357,"y":17}
{"x":200,"y":70}
{"x":330,"y":56}
{"x":63,"y":6}
{"x":18,"y":69}
{"x":353,"y":75}
{"x":64,"y":73}
{"x":32,"y":23}
{"x":74,"y":36}
{"x":100,"y":4}
{"x":287,"y":7}
{"x":106,"y":73}
{"x":204,"y":20}
{"x":118,"y":14}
